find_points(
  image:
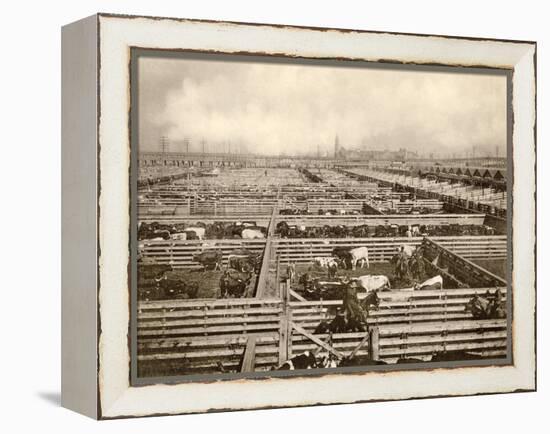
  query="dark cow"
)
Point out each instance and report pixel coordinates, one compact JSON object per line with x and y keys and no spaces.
{"x":233,"y":283}
{"x":306,"y":360}
{"x":360,"y":361}
{"x":243,"y":259}
{"x":449,"y":356}
{"x":170,"y":288}
{"x":406,"y":360}
{"x":318,"y":289}
{"x":243,"y":264}
{"x":153,"y":270}
{"x":489,"y":307}
{"x":166,"y":288}
{"x":211,"y":259}
{"x":332,"y":269}
{"x":343,"y":255}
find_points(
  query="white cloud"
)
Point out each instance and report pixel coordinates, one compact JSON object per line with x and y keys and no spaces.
{"x":293,"y":108}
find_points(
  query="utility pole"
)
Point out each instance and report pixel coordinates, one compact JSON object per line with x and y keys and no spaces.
{"x":164,"y":145}
{"x":164,"y":148}
{"x":186,"y":144}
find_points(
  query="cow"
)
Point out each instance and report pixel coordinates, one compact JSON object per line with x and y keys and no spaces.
{"x":453,"y":355}
{"x":361,"y":360}
{"x":332,"y":269}
{"x":407,"y":249}
{"x":359,"y":254}
{"x":252,"y":234}
{"x":209,"y":259}
{"x":305,"y":360}
{"x":432,"y":283}
{"x":282,"y":228}
{"x":489,"y":307}
{"x":317,"y":289}
{"x":241,"y":263}
{"x":323,"y":261}
{"x":179,"y":236}
{"x":233,"y":283}
{"x":343,"y":255}
{"x":373,"y":282}
{"x":327,"y":360}
{"x":184,"y":235}
{"x":199,"y":231}
{"x":170,"y":288}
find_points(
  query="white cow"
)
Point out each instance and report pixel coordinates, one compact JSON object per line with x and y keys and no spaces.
{"x":359,"y":254}
{"x":324,"y":261}
{"x":199,"y":232}
{"x":372,"y":282}
{"x":409,"y":250}
{"x":180,"y":236}
{"x":435,"y":282}
{"x":252,"y":234}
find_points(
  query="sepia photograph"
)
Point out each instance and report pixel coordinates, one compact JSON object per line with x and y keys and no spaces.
{"x":317,"y":216}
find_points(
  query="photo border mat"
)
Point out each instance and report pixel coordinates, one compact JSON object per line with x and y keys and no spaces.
{"x":115,"y":396}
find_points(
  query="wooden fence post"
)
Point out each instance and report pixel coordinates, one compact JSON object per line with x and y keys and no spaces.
{"x":249,"y":356}
{"x":284,"y":325}
{"x":374,"y":343}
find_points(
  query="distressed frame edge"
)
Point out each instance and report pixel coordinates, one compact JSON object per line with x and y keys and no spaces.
{"x":530,"y":383}
{"x":79,"y":271}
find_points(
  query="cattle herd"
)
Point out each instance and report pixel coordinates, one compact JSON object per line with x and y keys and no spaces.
{"x":213,"y":257}
{"x":249,"y":230}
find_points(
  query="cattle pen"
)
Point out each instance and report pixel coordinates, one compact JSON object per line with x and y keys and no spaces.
{"x":274,"y":321}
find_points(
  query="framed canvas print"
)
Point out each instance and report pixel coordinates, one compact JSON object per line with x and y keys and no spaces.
{"x":260,"y":216}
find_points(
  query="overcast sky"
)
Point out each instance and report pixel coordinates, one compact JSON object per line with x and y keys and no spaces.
{"x":274,"y":108}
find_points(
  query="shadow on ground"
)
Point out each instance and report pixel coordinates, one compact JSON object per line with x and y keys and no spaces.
{"x":52,"y":398}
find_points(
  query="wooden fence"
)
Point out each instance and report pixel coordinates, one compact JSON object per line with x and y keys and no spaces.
{"x":375,"y":220}
{"x":303,"y":250}
{"x":200,"y":336}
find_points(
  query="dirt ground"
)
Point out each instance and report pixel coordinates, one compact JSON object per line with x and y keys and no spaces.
{"x":208,"y":281}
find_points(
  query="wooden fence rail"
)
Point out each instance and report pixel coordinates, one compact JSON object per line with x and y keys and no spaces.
{"x":303,"y":250}
{"x":202,"y":334}
{"x":322,"y":220}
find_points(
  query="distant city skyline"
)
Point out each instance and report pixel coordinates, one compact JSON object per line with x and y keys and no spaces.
{"x":297,"y":109}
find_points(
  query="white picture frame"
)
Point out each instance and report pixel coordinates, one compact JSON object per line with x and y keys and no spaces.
{"x":96,"y":377}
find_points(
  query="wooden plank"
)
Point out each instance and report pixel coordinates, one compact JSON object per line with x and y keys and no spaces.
{"x":249,"y":355}
{"x":315,"y":339}
{"x":207,"y":322}
{"x":207,"y":303}
{"x":261,"y":287}
{"x":359,"y":345}
{"x":296,"y":295}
